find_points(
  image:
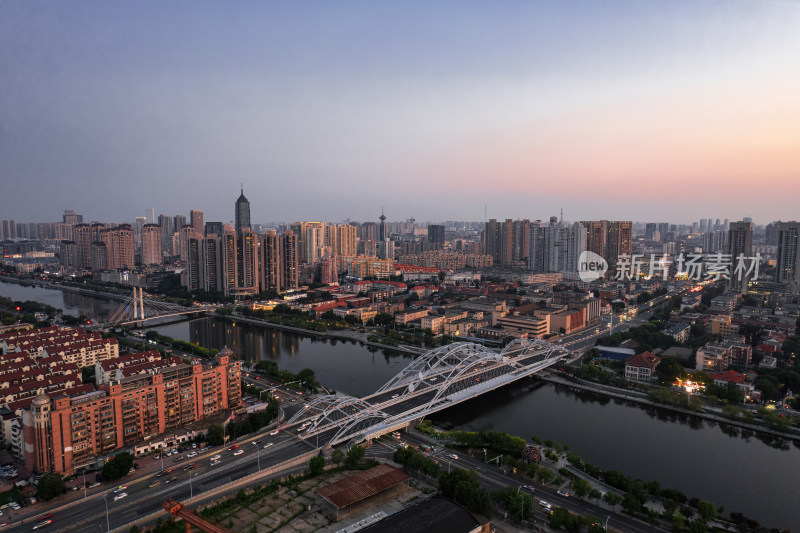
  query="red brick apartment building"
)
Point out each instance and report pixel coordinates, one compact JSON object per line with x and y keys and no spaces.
{"x":54,"y":422}
{"x":65,"y":433}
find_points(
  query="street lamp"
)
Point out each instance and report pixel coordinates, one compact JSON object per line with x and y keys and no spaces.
{"x":108,"y":523}
{"x":606,"y":524}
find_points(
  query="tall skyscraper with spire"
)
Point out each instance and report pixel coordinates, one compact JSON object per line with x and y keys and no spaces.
{"x":383,"y":233}
{"x":242,"y":213}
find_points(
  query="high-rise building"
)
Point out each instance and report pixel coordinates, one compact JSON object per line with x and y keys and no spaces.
{"x":177,"y":223}
{"x":340,"y":239}
{"x":68,"y":253}
{"x":186,"y":232}
{"x":310,"y":240}
{"x":63,"y":231}
{"x":196,"y":221}
{"x":649,"y":230}
{"x":436,"y":236}
{"x":270,"y":261}
{"x":150,"y":215}
{"x":288,"y":257}
{"x":383,"y":231}
{"x":151,"y":245}
{"x":82,"y":235}
{"x":214,"y":228}
{"x":70,"y":217}
{"x":99,"y":256}
{"x":246,"y":262}
{"x":137,"y":232}
{"x":609,"y":239}
{"x":228,"y":258}
{"x":491,"y":239}
{"x":242,"y":213}
{"x":369,"y":231}
{"x":165,"y":221}
{"x":740,"y":242}
{"x":211,"y":264}
{"x":788,"y":265}
{"x":193,"y":265}
{"x":119,"y":247}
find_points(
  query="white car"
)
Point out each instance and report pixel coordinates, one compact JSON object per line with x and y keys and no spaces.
{"x":216,"y":457}
{"x":452,"y":456}
{"x":273,"y":432}
{"x":120,"y":496}
{"x":545,"y":504}
{"x":267,"y":445}
{"x":238,"y":452}
{"x":192,"y":454}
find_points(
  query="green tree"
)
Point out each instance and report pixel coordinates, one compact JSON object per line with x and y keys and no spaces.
{"x":355,"y":455}
{"x":337,"y":456}
{"x":317,"y":465}
{"x":50,"y":486}
{"x":707,"y":510}
{"x":216,"y":435}
{"x":581,"y":487}
{"x":595,"y":495}
{"x":117,"y":467}
{"x":612,"y":498}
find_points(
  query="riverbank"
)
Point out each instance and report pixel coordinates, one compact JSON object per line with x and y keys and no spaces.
{"x":344,"y":335}
{"x":641,"y":398}
{"x":64,"y":287}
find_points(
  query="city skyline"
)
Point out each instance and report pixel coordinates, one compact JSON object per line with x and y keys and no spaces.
{"x":638,"y":111}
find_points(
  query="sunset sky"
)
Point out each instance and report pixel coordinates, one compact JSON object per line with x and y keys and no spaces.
{"x":650,"y":111}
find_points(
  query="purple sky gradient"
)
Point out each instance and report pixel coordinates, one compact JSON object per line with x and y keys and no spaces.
{"x":327,"y":110}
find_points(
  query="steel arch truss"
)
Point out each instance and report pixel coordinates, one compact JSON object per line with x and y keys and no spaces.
{"x":527,"y":347}
{"x":440,"y":362}
{"x":341,"y":411}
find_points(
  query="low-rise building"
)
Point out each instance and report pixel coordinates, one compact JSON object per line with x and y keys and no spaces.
{"x":721,"y":325}
{"x":678,"y":331}
{"x":642,"y":368}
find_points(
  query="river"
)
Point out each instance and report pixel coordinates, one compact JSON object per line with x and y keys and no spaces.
{"x":755,"y":475}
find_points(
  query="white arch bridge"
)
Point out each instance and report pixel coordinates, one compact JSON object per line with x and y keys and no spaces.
{"x":436,"y":380}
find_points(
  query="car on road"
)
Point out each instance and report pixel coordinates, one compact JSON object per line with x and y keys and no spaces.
{"x":267,"y":445}
{"x":238,"y":452}
{"x":190,"y":455}
{"x":452,"y":456}
{"x":216,"y":457}
{"x":45,"y":517}
{"x":563,"y":493}
{"x":233,"y":447}
{"x":93,"y":485}
{"x":214,"y":463}
{"x":528,"y":488}
{"x":120,"y":488}
{"x":120,"y":496}
{"x":190,"y":467}
{"x":273,"y":432}
{"x":545,"y":504}
{"x":170,"y":480}
{"x":43,"y":524}
{"x":155,"y":483}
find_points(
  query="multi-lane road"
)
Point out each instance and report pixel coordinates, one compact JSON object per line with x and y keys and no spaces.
{"x":145,"y":494}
